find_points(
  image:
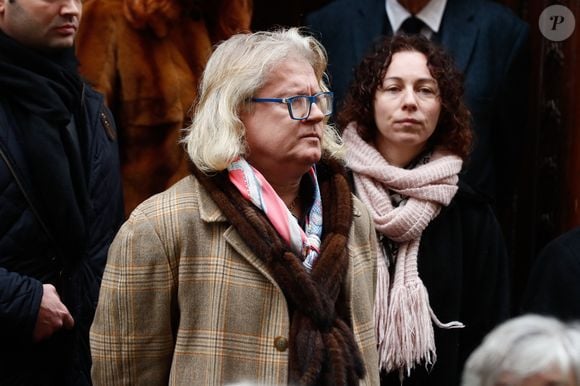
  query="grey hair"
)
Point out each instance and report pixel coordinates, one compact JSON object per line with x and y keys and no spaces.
{"x":236,"y":70}
{"x":524,"y":346}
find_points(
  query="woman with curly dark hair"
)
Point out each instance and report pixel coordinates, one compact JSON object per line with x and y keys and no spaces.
{"x":442,"y":264}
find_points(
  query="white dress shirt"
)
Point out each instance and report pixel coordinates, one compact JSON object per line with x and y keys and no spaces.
{"x":431,"y":15}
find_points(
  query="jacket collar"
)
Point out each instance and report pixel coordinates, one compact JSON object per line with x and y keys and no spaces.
{"x":211,"y":213}
{"x":208,"y":209}
{"x":458,"y":33}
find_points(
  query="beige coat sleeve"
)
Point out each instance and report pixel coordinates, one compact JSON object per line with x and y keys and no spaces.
{"x":131,"y":336}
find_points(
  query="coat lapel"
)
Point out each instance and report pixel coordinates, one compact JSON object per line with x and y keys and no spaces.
{"x":233,"y":238}
{"x":210,"y":212}
{"x":460,"y":30}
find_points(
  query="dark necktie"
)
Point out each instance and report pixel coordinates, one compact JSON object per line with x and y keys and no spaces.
{"x":412,"y":25}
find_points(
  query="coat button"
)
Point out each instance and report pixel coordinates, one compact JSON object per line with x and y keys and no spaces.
{"x":281,"y":343}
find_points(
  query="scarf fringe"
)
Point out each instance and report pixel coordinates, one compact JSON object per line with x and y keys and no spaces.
{"x":402,"y":348}
{"x":381,"y":308}
{"x":409,"y":338}
{"x":446,"y":326}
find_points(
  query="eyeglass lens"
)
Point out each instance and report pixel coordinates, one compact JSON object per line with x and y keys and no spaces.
{"x":301,"y":105}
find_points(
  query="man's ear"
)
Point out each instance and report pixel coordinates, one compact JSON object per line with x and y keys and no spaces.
{"x":2,"y":4}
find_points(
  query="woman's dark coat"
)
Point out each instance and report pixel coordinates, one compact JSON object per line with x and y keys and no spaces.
{"x":464,"y":265}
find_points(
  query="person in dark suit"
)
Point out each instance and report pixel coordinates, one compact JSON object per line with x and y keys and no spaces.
{"x":489,"y":45}
{"x":553,"y":287}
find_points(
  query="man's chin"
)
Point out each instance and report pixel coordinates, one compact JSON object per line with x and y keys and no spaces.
{"x":53,"y":49}
{"x":60,"y":43}
{"x":311,"y":159}
{"x":62,"y":46}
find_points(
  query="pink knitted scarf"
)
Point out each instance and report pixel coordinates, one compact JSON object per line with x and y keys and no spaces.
{"x":402,"y":312}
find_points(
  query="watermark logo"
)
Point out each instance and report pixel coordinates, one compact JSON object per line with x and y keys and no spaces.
{"x":557,"y":23}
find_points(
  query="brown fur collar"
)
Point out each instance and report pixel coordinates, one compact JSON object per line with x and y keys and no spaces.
{"x":159,"y":15}
{"x":323,"y":350}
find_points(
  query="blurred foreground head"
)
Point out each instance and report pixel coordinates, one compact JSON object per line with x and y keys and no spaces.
{"x":530,"y":350}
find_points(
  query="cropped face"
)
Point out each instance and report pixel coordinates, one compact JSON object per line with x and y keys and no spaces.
{"x":406,"y":105}
{"x":42,"y":24}
{"x":414,"y":6}
{"x":279,"y":145}
{"x":550,"y":377}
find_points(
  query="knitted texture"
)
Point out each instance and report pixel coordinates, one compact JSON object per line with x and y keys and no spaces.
{"x":402,"y":311}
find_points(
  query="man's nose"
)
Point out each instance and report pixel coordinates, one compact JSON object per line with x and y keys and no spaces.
{"x":71,"y":7}
{"x":315,"y":112}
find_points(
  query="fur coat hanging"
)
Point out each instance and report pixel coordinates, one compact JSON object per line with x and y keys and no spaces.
{"x":146,"y":57}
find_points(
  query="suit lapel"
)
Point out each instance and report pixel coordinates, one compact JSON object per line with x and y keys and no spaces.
{"x":459,"y":30}
{"x":367,"y":26}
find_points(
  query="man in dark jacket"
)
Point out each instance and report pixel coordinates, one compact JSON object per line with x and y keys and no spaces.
{"x":60,"y":196}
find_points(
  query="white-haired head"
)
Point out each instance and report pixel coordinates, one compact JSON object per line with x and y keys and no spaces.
{"x":523,"y":347}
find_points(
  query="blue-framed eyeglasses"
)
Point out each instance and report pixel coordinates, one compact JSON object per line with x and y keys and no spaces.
{"x":299,"y":106}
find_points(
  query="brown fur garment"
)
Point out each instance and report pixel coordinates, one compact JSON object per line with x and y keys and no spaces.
{"x":146,"y":57}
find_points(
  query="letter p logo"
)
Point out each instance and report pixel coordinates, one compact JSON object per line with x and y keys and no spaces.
{"x":557,"y":23}
{"x":559,"y":19}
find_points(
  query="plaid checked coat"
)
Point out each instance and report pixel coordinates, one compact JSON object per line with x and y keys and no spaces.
{"x":185,"y":302}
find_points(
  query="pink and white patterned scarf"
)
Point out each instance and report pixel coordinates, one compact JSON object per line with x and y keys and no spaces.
{"x":403,"y":316}
{"x":256,"y":189}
